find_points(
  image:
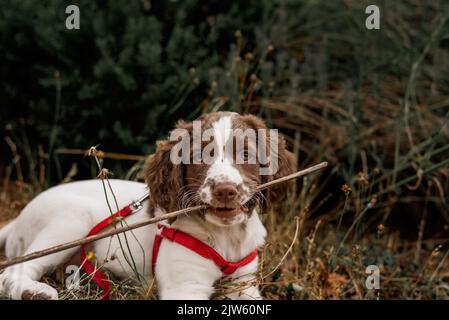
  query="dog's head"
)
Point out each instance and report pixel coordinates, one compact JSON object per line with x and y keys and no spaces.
{"x":219,"y":160}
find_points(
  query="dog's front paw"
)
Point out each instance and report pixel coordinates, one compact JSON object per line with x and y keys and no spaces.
{"x":26,"y":289}
{"x":39,"y":291}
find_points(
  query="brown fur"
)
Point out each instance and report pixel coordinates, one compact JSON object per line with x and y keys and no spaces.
{"x":286,"y":165}
{"x":164,"y":178}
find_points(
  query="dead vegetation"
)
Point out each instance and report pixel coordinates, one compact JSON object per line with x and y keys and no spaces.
{"x":306,"y":257}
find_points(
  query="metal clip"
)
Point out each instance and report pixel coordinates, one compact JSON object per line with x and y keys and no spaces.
{"x":137,"y":204}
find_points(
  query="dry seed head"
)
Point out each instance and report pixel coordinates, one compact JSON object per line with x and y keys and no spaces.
{"x":90,"y":256}
{"x":249,"y":56}
{"x":238,"y":34}
{"x":436,"y":251}
{"x":356,"y":251}
{"x":372,"y":202}
{"x":346,"y":189}
{"x":328,"y":253}
{"x":93,"y":152}
{"x":380,"y":230}
{"x":363,"y":178}
{"x":104,"y":174}
{"x":254,"y":78}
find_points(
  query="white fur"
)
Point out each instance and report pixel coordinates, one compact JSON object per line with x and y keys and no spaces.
{"x":67,"y":212}
{"x":4,"y":233}
{"x":221,"y":169}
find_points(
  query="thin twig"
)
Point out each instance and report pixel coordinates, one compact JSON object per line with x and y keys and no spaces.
{"x":101,"y":154}
{"x":295,"y":237}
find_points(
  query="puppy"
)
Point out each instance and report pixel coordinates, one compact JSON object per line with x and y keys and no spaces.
{"x":230,"y":227}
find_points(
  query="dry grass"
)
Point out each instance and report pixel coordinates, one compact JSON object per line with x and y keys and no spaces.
{"x":305,"y":257}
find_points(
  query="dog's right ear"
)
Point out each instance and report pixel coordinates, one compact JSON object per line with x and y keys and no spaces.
{"x":163,"y":176}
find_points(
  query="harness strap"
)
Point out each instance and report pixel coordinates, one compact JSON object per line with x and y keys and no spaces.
{"x":173,"y":235}
{"x":99,"y":277}
{"x":199,"y":247}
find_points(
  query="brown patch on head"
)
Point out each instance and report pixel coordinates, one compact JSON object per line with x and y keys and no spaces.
{"x":286,"y":161}
{"x":251,"y":171}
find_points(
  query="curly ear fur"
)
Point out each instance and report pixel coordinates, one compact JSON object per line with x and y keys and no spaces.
{"x":164,"y":178}
{"x":286,"y":166}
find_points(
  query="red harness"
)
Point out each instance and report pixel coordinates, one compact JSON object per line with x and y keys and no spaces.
{"x":173,"y":235}
{"x":199,"y":247}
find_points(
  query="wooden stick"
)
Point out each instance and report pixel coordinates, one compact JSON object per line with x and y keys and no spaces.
{"x":101,"y":154}
{"x":293,"y":176}
{"x":76,"y":243}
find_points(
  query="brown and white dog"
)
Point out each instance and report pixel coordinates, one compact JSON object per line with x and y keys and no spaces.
{"x":231,"y":225}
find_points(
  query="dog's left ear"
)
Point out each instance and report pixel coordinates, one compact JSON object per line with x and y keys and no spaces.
{"x":165,"y":178}
{"x":286,"y":165}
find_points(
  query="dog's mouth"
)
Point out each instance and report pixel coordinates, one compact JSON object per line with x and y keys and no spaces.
{"x":227,"y":212}
{"x":233,"y":211}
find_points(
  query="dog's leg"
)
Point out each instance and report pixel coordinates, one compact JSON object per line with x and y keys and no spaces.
{"x":22,"y":281}
{"x":185,"y":282}
{"x":182,"y":274}
{"x":187,"y":291}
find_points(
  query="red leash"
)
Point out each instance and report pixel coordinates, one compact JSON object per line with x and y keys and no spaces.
{"x":98,"y":276}
{"x":174,"y":235}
